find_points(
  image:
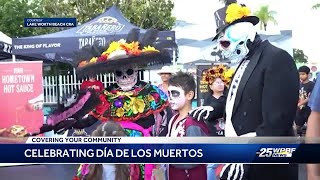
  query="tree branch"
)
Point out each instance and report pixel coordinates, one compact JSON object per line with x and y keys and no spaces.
{"x":316,"y":6}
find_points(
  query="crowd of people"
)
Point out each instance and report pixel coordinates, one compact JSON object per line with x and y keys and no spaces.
{"x":181,"y":89}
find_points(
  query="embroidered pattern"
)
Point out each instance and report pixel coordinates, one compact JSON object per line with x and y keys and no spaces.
{"x":133,"y":133}
{"x":132,"y":105}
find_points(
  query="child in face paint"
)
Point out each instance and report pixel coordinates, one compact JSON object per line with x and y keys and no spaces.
{"x":181,"y":91}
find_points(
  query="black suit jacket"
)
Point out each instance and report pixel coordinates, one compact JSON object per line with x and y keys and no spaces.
{"x":266,"y":102}
{"x":267,"y":95}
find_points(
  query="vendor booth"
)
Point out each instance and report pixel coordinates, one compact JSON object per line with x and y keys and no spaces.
{"x":61,"y":46}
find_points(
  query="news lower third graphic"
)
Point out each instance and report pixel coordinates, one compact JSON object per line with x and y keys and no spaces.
{"x":50,"y":22}
{"x":275,"y":152}
{"x":193,"y":150}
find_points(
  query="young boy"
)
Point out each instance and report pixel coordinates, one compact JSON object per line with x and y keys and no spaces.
{"x":181,"y":91}
{"x":306,"y":87}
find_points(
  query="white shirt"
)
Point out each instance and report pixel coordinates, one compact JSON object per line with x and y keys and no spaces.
{"x":109,"y":172}
{"x":229,"y":129}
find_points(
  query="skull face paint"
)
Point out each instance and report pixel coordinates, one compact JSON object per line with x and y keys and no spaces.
{"x":126,"y":77}
{"x":177,"y":97}
{"x":233,"y":42}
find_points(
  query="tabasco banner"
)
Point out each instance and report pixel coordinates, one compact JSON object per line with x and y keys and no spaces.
{"x":21,"y":95}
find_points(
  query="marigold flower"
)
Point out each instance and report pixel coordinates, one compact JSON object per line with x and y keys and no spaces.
{"x":150,"y":49}
{"x":236,"y":11}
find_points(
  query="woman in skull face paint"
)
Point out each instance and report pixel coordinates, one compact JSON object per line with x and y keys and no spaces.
{"x":133,"y":103}
{"x":130,"y":104}
{"x":126,"y":77}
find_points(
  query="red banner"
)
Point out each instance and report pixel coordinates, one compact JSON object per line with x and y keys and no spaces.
{"x":21,"y":95}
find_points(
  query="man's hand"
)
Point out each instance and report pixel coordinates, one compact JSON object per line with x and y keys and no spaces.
{"x":201,"y":113}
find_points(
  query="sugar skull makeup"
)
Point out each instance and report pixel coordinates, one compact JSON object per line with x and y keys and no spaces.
{"x":177,"y":97}
{"x":233,"y":42}
{"x":126,"y":77}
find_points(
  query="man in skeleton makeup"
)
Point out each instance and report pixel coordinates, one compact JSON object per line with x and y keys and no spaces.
{"x":131,"y":102}
{"x":263,"y":94}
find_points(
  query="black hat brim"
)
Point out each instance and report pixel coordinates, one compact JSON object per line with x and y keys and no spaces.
{"x":252,"y":19}
{"x":145,"y":60}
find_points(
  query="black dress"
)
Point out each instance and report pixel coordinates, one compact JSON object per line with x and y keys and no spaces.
{"x":215,"y":121}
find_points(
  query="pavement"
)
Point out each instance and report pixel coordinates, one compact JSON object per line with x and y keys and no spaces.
{"x":61,"y":172}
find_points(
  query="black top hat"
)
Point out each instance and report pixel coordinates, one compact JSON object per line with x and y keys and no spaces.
{"x":134,"y":50}
{"x":235,"y":13}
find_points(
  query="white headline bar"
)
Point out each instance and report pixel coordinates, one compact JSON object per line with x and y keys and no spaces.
{"x":163,"y":140}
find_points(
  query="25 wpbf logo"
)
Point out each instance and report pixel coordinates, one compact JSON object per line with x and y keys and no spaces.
{"x":275,"y":152}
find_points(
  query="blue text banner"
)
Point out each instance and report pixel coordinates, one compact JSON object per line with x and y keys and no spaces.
{"x":192,"y":153}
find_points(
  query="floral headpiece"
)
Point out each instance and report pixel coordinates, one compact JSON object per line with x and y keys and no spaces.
{"x":219,"y":71}
{"x":119,"y":49}
{"x":139,"y":51}
{"x":236,"y":11}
